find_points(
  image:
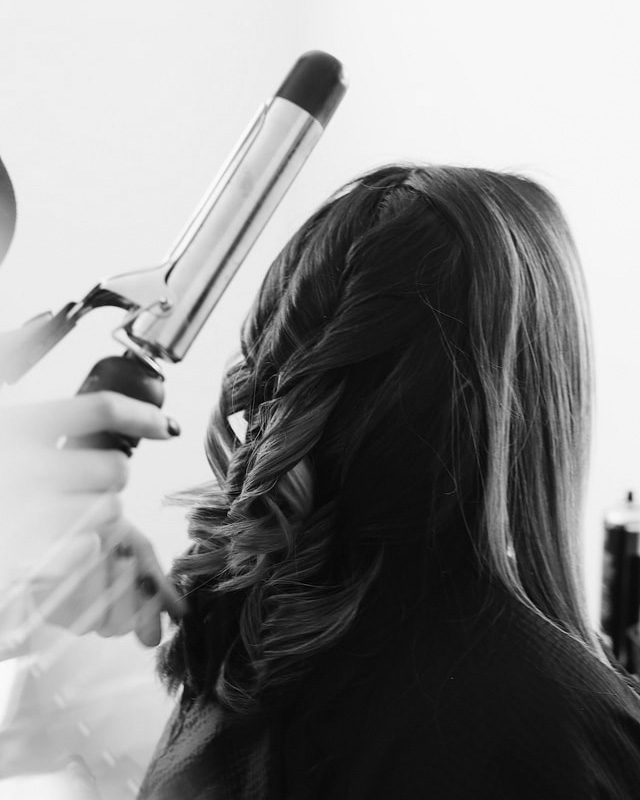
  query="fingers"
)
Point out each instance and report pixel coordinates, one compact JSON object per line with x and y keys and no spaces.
{"x":35,"y":530}
{"x":148,"y":623}
{"x":38,"y":522}
{"x":85,"y":414}
{"x":87,"y":589}
{"x":48,"y":493}
{"x":144,"y":591}
{"x":71,"y":590}
{"x":121,"y":599}
{"x":92,"y":584}
{"x":152,"y":579}
{"x":38,"y":470}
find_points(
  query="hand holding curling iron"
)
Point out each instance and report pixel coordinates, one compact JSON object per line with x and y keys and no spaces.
{"x":63,"y":521}
{"x":77,"y":487}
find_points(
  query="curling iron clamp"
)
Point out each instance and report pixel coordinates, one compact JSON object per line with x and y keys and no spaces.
{"x":167,"y":306}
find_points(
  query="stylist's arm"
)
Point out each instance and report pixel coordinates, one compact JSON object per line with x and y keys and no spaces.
{"x":65,"y":538}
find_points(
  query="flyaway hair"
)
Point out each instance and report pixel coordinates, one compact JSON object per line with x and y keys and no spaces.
{"x":415,"y":369}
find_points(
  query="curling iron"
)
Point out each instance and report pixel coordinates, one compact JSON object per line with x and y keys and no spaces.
{"x":166,"y":306}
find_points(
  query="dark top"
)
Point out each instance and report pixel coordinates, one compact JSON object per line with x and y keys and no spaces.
{"x":464,"y":695}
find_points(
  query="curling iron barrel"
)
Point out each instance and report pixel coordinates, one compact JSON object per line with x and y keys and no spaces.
{"x":214,"y":245}
{"x":168,"y":305}
{"x":250,"y":186}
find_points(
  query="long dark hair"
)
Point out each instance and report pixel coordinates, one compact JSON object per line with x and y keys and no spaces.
{"x":416,"y":361}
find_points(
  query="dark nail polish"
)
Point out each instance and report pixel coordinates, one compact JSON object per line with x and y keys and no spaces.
{"x":173,"y":427}
{"x":123,"y":550}
{"x":147,"y":585}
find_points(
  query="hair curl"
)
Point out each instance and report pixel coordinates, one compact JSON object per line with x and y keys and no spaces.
{"x":416,"y":366}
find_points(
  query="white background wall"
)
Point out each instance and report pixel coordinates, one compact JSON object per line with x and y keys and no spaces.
{"x":114,"y":118}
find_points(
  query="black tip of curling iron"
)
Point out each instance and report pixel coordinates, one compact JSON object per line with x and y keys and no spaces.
{"x":316,"y":83}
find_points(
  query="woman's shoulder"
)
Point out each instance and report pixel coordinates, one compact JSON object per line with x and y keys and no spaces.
{"x":512,"y":694}
{"x":471,"y":647}
{"x":470,"y":695}
{"x":489,"y":639}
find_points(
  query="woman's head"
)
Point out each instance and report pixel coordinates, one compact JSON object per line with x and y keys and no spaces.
{"x":415,"y":368}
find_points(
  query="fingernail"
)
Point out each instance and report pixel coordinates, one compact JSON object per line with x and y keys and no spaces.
{"x":123,"y":550}
{"x":147,"y":585}
{"x":173,"y":427}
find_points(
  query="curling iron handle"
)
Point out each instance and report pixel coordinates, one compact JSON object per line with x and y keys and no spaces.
{"x":128,"y":375}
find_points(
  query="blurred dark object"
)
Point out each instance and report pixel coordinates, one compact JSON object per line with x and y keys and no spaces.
{"x":7,"y":211}
{"x":633,"y":637}
{"x":621,"y":583}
